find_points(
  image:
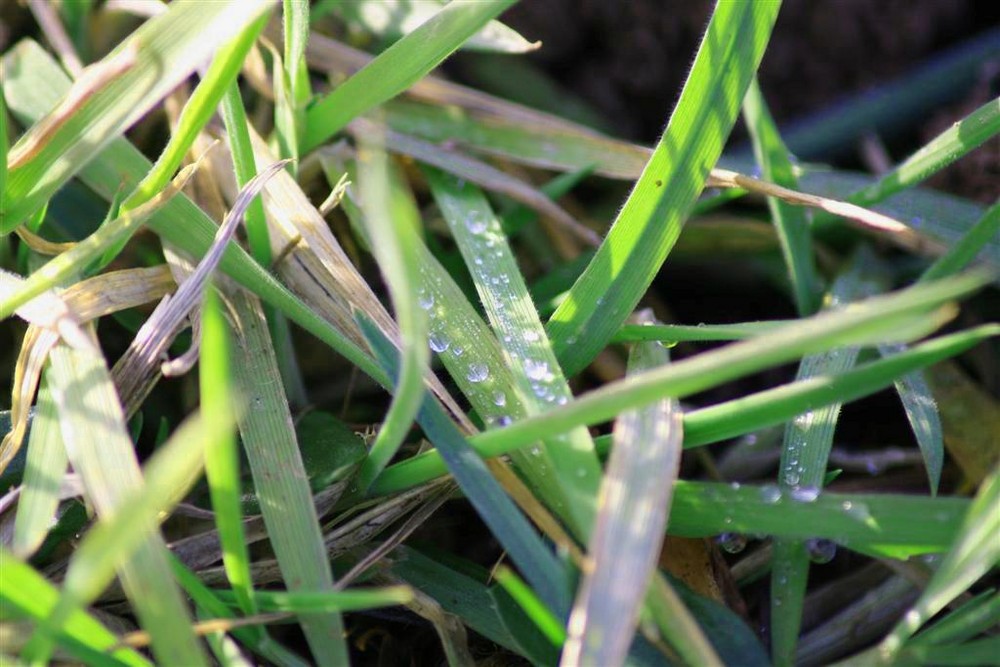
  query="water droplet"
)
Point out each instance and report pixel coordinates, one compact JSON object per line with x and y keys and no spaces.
{"x":503,"y":420}
{"x":821,"y":551}
{"x":474,"y":224}
{"x":770,"y":494}
{"x":735,"y":486}
{"x":805,"y":494}
{"x":731,"y":543}
{"x":562,"y":400}
{"x":536,"y":451}
{"x":457,"y":350}
{"x":477,"y":260}
{"x":425,"y":299}
{"x":438,"y":341}
{"x":536,"y":370}
{"x":477,"y":372}
{"x":530,"y":336}
{"x":504,"y":278}
{"x":499,"y":399}
{"x":791,"y":477}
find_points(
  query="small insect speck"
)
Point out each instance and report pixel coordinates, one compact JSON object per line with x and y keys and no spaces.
{"x":659,"y":183}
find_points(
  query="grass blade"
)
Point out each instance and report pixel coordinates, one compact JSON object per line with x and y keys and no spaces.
{"x":651,"y":218}
{"x":628,"y":534}
{"x":964,"y":251}
{"x":394,"y":243}
{"x":398,"y":67}
{"x":791,"y":222}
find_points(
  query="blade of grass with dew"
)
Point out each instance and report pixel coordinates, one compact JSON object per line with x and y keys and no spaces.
{"x":791,"y":222}
{"x":253,"y":637}
{"x":29,"y":593}
{"x":398,"y":67}
{"x":497,"y":510}
{"x":114,"y":94}
{"x":102,"y":453}
{"x":460,"y":338}
{"x":66,"y":265}
{"x":975,"y":552}
{"x":971,"y":618}
{"x":804,"y":455}
{"x":632,"y":511}
{"x":736,"y":417}
{"x":537,"y":377}
{"x":279,"y":475}
{"x":169,"y":475}
{"x":651,"y":218}
{"x":305,"y":602}
{"x":222,"y":461}
{"x":180,"y":222}
{"x":394,"y":243}
{"x":392,"y":19}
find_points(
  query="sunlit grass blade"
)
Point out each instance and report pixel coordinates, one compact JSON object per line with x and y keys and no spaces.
{"x":279,"y":475}
{"x":958,"y":140}
{"x":540,"y":567}
{"x":394,"y":243}
{"x":976,"y":550}
{"x":27,"y":593}
{"x":127,"y":83}
{"x":222,"y":463}
{"x":547,"y":622}
{"x":651,"y":218}
{"x":730,"y":419}
{"x":969,"y":619}
{"x":397,"y":67}
{"x":538,"y":379}
{"x":791,"y":222}
{"x":168,"y":476}
{"x":632,"y":511}
{"x":291,"y":80}
{"x":4,"y":148}
{"x":678,"y":333}
{"x":102,"y":453}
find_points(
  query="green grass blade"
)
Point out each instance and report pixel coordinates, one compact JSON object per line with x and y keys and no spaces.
{"x":651,"y":219}
{"x":4,"y":149}
{"x":222,"y":462}
{"x":538,"y":380}
{"x":135,"y":76}
{"x":977,"y":615}
{"x":306,"y":602}
{"x":678,"y":333}
{"x":958,"y":140}
{"x":791,"y":222}
{"x":291,"y":79}
{"x":736,"y":417}
{"x":280,"y":478}
{"x":975,"y":552}
{"x":398,"y":67}
{"x":245,"y":165}
{"x":548,"y":623}
{"x":964,"y":251}
{"x":628,"y":534}
{"x":31,"y":595}
{"x":394,"y":242}
{"x":497,"y":510}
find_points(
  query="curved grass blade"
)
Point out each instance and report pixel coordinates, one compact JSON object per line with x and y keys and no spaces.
{"x":965,"y":250}
{"x":678,"y":333}
{"x":651,"y":218}
{"x":306,"y":602}
{"x":137,"y":75}
{"x":394,"y":243}
{"x":791,"y":222}
{"x":398,"y":67}
{"x":540,"y":567}
{"x":633,"y":506}
{"x":82,"y":635}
